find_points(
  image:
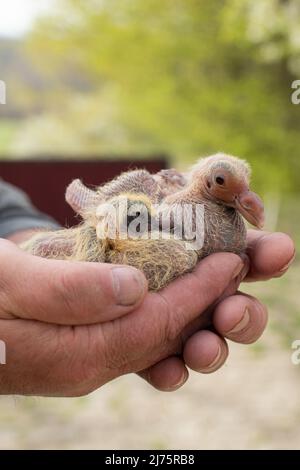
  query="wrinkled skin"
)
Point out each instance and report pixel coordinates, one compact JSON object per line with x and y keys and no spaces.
{"x":68,"y":331}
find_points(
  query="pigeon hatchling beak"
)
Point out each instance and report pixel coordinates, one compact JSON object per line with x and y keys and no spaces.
{"x":251,"y":207}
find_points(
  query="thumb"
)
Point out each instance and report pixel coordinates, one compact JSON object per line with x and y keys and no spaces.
{"x":66,"y":292}
{"x":164,"y":315}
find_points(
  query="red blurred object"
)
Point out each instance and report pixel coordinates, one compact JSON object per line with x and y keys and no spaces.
{"x":45,"y":181}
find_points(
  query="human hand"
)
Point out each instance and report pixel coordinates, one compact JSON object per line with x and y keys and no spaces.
{"x":70,"y":327}
{"x":237,"y":317}
{"x":55,"y":359}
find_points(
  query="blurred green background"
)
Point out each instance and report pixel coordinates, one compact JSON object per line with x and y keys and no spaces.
{"x":183,"y":78}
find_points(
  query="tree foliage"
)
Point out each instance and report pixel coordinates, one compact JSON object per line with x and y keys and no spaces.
{"x":186,"y":77}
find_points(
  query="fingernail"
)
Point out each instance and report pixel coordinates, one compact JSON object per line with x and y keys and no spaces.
{"x":129,"y":285}
{"x":238,"y":269}
{"x":245,"y":269}
{"x":216,"y":359}
{"x":182,"y":381}
{"x":286,"y":267}
{"x":242,"y":324}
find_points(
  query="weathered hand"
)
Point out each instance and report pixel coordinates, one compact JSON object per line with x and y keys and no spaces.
{"x":238,"y":317}
{"x":70,"y":327}
{"x":40,"y":298}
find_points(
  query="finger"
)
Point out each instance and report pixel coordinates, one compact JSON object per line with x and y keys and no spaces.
{"x":240,"y":318}
{"x":21,"y":236}
{"x":232,"y":287}
{"x":205,"y":352}
{"x":66,"y":292}
{"x":167,"y":375}
{"x":270,"y":254}
{"x":204,"y":321}
{"x":163,"y":316}
{"x":188,"y":297}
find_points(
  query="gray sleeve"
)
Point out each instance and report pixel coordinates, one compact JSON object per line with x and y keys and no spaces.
{"x":17,"y":212}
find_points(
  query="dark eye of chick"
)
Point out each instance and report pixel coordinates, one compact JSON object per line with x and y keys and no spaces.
{"x":220,"y":180}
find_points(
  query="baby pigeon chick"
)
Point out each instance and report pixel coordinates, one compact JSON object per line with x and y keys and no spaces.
{"x":85,"y":202}
{"x":81,"y":198}
{"x":133,"y":242}
{"x":117,"y":231}
{"x":170,"y":181}
{"x":156,"y":187}
{"x":220,"y":183}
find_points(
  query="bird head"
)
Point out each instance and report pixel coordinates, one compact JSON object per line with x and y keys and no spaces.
{"x":127,"y":213}
{"x":138,"y":205}
{"x":225,"y":179}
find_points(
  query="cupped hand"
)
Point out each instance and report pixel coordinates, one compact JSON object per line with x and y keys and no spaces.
{"x":70,"y":327}
{"x":238,"y":317}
